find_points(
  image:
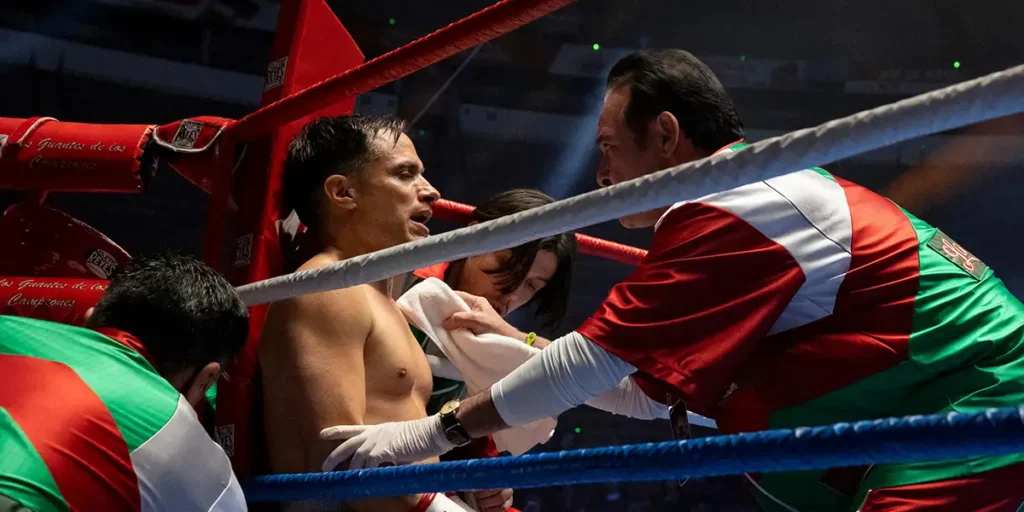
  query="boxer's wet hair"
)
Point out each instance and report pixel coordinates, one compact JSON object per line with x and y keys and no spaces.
{"x":671,"y":80}
{"x":552,"y":301}
{"x":184,"y":313}
{"x":328,"y":146}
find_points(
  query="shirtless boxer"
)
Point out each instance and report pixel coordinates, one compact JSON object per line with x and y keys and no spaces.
{"x":347,"y":356}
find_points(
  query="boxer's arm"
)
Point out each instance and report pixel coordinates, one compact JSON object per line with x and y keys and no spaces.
{"x":315,"y":363}
{"x":327,"y":334}
{"x":569,"y":372}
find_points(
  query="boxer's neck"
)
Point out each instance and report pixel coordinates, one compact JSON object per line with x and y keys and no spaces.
{"x":337,"y":251}
{"x":343,"y":243}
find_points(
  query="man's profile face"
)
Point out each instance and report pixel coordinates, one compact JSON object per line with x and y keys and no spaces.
{"x":622,"y":159}
{"x":394,"y":199}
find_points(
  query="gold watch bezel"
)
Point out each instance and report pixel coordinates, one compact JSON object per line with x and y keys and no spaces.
{"x":450,"y":407}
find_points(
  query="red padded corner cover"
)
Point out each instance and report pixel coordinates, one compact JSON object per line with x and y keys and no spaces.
{"x":188,"y":147}
{"x":45,"y":154}
{"x":49,"y":298}
{"x":41,"y":241}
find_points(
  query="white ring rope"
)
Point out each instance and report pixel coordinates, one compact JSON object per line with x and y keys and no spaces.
{"x":995,"y":95}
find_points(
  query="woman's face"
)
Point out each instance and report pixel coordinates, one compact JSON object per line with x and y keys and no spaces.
{"x":476,"y":280}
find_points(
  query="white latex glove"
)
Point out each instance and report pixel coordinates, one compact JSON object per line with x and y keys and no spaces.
{"x":400,"y":442}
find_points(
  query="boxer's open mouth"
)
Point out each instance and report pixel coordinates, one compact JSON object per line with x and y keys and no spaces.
{"x":420,"y":219}
{"x":422,"y":215}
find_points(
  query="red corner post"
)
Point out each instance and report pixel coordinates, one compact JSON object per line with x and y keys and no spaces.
{"x":477,"y":28}
{"x":310,"y":45}
{"x":217,"y":204}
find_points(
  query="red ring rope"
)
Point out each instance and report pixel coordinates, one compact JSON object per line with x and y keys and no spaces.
{"x":496,"y":20}
{"x":450,"y":210}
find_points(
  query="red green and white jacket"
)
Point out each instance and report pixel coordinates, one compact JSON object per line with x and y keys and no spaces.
{"x":87,"y":424}
{"x":806,"y":300}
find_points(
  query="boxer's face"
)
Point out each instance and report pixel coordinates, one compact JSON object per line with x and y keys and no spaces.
{"x":392,"y":199}
{"x":622,"y":158}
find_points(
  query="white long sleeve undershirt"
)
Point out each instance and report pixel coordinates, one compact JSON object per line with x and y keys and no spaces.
{"x":571,"y":371}
{"x":627,"y":399}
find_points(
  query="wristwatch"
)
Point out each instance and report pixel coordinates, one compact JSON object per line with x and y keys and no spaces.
{"x":453,"y":429}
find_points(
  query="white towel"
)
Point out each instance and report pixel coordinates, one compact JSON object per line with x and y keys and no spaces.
{"x":481,"y":360}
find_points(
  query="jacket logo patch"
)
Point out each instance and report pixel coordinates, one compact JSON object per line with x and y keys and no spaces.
{"x":954,"y":252}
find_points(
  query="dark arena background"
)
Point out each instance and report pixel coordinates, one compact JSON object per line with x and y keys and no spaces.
{"x":521,"y":111}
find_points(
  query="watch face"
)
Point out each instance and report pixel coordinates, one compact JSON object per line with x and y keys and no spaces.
{"x":450,"y":407}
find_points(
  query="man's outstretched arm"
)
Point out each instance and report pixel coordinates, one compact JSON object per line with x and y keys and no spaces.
{"x":568,"y":373}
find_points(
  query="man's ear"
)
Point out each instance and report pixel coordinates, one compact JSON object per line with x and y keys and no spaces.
{"x":88,"y":315}
{"x":340,"y":191}
{"x":667,"y":134}
{"x":196,"y":391}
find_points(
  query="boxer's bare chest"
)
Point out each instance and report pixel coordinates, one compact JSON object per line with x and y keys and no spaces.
{"x":398,"y":378}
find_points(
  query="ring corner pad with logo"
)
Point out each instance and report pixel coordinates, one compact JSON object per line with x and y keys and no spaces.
{"x":101,"y":263}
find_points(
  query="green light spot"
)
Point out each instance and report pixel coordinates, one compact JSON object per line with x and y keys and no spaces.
{"x":956,"y":64}
{"x":578,"y":430}
{"x":422,"y":132}
{"x":391,"y":21}
{"x":743,"y":57}
{"x":597,"y":47}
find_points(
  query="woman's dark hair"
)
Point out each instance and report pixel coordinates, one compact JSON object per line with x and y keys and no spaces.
{"x":185,"y":314}
{"x":671,"y":80}
{"x":553,"y":300}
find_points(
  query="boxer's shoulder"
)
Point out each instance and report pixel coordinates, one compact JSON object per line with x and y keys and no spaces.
{"x":336,"y":317}
{"x":348,"y":305}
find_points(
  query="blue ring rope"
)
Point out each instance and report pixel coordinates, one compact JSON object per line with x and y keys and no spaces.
{"x":907,"y":439}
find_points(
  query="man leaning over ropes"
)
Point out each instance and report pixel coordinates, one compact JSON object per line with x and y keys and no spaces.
{"x":101,"y":418}
{"x":800,"y":300}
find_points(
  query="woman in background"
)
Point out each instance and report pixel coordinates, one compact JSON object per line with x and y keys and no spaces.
{"x":538,"y":272}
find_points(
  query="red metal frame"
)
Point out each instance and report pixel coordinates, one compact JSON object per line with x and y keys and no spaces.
{"x":496,"y":20}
